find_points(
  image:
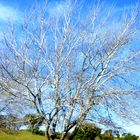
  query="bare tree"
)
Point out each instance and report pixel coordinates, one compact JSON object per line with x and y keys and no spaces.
{"x":73,"y":67}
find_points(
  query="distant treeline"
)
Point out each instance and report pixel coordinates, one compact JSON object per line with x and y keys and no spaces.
{"x":88,"y":131}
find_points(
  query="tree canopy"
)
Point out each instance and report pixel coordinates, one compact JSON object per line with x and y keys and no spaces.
{"x":72,"y":67}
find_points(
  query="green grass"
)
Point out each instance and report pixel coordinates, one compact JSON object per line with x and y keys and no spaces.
{"x":23,"y":135}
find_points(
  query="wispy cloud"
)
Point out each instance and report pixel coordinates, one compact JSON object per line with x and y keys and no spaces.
{"x":57,"y":8}
{"x":9,"y":13}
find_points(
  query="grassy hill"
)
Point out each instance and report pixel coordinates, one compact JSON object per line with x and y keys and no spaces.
{"x":23,"y":135}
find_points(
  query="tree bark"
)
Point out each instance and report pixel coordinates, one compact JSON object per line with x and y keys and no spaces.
{"x":47,"y":134}
{"x":71,"y":137}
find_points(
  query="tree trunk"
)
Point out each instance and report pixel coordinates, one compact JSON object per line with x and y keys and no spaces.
{"x":73,"y":134}
{"x":47,"y":134}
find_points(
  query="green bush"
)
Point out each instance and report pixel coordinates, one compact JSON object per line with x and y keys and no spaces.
{"x":87,"y":132}
{"x":129,"y":137}
{"x":37,"y":131}
{"x":107,"y":138}
{"x":107,"y":135}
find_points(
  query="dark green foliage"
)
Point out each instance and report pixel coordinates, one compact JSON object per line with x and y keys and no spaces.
{"x":91,"y":132}
{"x":88,"y":132}
{"x":107,"y":135}
{"x":129,"y":137}
{"x":37,"y":131}
{"x":106,"y":138}
{"x":34,"y":122}
{"x":116,"y":133}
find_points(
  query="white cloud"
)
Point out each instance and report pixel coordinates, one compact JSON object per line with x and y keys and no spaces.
{"x":8,"y":13}
{"x":134,"y":129}
{"x":57,"y":8}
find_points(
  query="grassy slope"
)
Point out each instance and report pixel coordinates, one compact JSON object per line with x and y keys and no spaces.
{"x":21,"y":136}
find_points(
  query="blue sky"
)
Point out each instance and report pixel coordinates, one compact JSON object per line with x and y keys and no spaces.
{"x":8,"y":8}
{"x":13,"y":10}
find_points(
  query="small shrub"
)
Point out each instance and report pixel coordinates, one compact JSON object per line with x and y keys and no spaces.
{"x":130,"y":137}
{"x":88,"y":132}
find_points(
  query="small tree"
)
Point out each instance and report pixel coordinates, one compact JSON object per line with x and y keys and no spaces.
{"x":129,"y":137}
{"x":88,"y":132}
{"x":34,"y":122}
{"x":108,"y":135}
{"x":9,"y":122}
{"x":116,"y":133}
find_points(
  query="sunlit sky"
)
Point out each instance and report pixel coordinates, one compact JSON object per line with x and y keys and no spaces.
{"x":13,"y":10}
